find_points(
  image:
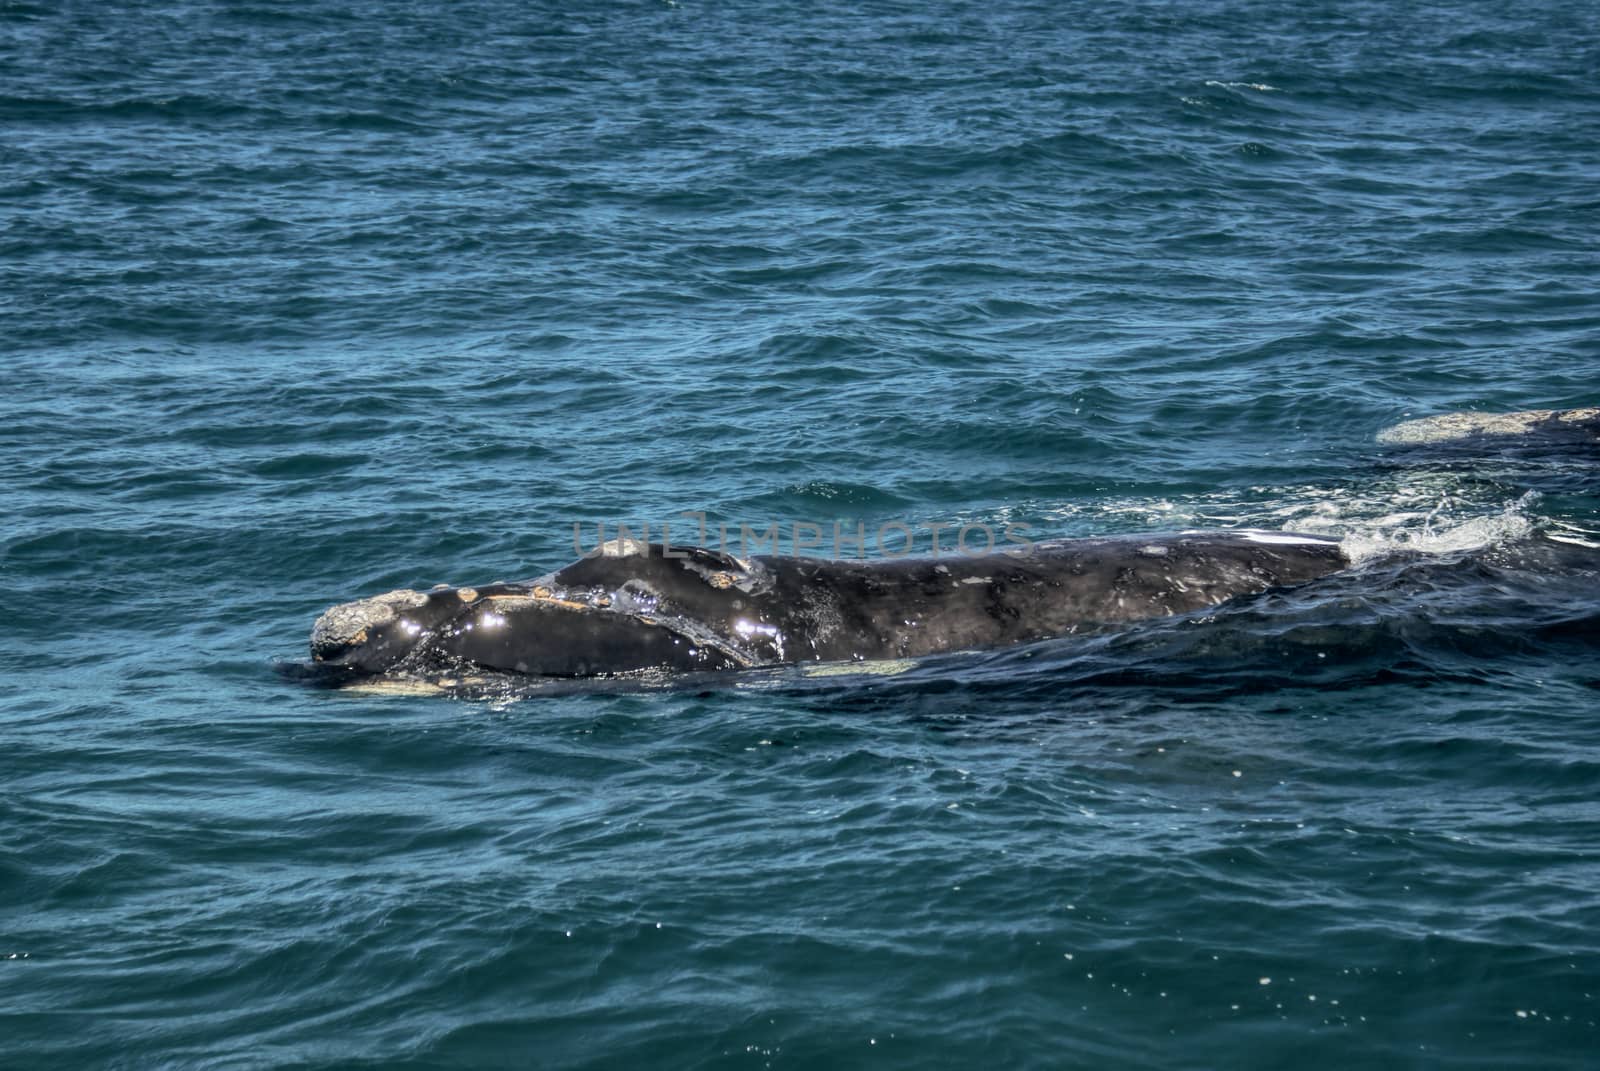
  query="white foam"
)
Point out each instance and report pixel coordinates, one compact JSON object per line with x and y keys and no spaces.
{"x":1420,"y":511}
{"x":1476,"y":533}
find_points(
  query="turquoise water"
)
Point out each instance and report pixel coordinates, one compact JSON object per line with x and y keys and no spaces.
{"x":307,"y":301}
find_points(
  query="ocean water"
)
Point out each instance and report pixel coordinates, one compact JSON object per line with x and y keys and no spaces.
{"x":305,"y":301}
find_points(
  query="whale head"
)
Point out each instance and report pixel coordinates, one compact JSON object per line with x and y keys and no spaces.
{"x":376,"y":634}
{"x":512,"y":628}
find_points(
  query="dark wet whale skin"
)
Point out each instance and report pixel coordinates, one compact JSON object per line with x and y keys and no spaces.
{"x":694,"y":609}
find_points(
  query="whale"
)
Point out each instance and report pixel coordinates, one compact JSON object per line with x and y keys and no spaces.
{"x":1554,"y":427}
{"x":634,"y":607}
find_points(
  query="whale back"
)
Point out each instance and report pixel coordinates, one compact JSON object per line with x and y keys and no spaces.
{"x":917,"y":606}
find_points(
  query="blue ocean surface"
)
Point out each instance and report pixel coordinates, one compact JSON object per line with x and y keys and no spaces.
{"x":306,"y":300}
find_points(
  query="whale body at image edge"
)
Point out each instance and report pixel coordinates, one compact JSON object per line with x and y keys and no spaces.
{"x":631,"y":607}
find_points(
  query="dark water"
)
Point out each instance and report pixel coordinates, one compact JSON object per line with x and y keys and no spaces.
{"x":306,"y":301}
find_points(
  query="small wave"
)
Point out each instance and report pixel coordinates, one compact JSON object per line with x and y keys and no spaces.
{"x":1259,"y":87}
{"x":1572,"y":534}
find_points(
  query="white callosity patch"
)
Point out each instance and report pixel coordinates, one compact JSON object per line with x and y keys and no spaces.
{"x":871,"y":668}
{"x":624,"y":548}
{"x":1450,"y":426}
{"x":348,"y":622}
